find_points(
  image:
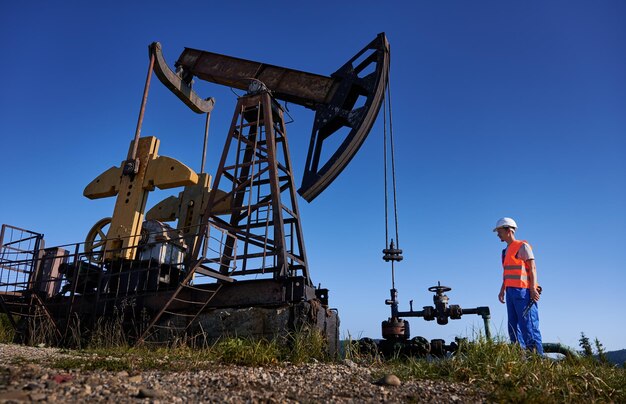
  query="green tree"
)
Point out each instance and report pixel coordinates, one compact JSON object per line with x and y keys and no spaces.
{"x":585,"y":345}
{"x":601,"y":352}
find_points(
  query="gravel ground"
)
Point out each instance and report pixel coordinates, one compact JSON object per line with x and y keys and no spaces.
{"x":25,"y":377}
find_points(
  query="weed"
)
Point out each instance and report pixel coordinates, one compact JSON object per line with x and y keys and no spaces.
{"x":504,"y":371}
{"x":508,"y":373}
{"x":7,"y":332}
{"x":305,"y":345}
{"x":240,"y":351}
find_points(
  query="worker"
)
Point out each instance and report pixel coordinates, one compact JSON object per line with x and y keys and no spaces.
{"x":519,"y":287}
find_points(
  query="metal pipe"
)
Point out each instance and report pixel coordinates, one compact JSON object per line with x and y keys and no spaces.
{"x":486,"y":318}
{"x":419,"y":313}
{"x":133,"y":154}
{"x":206,"y":139}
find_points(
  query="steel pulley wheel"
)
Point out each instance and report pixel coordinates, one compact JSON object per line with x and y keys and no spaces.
{"x":95,"y":242}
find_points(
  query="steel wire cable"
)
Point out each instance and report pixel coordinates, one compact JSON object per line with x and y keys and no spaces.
{"x":390,"y":140}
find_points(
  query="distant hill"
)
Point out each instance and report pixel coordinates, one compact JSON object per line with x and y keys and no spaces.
{"x":617,"y":357}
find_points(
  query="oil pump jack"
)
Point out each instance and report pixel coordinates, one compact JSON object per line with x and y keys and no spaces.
{"x":238,"y":243}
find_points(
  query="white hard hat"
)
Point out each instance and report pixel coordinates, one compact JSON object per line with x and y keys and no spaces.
{"x":505,"y":222}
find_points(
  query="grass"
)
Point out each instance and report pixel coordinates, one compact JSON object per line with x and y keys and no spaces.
{"x":297,"y":347}
{"x":509,"y":374}
{"x":6,"y":329}
{"x":503,"y":371}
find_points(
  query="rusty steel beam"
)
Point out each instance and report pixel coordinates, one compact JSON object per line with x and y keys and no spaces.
{"x":346,"y":103}
{"x":298,"y":87}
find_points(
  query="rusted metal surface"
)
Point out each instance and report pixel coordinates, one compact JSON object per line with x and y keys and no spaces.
{"x":395,"y":328}
{"x":176,"y":85}
{"x":234,"y":248}
{"x":132,"y":155}
{"x":344,"y":112}
{"x":346,"y":101}
{"x":298,"y":87}
{"x":255,"y":174}
{"x":141,"y":293}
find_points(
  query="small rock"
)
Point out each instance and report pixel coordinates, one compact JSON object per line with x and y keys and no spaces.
{"x":389,"y":380}
{"x":135,"y":379}
{"x":62,"y":378}
{"x":123,"y":373}
{"x":350,"y":364}
{"x":87,"y":389}
{"x":38,"y":396}
{"x":32,"y":386}
{"x":148,"y":393}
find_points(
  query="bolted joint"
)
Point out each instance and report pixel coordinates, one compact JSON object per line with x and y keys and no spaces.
{"x":429,"y":313}
{"x":131,"y":167}
{"x":256,"y":87}
{"x":392,"y":253}
{"x":455,"y":311}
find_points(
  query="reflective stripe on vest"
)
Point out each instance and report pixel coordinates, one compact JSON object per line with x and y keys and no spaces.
{"x":515,"y":274}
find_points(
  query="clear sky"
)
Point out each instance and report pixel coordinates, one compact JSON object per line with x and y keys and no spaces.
{"x":500,"y":108}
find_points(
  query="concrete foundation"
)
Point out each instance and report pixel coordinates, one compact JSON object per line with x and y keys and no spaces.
{"x":269,"y":322}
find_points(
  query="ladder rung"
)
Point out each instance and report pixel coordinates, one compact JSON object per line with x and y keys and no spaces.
{"x":255,"y":123}
{"x":213,"y":274}
{"x":198,"y":289}
{"x":242,"y":165}
{"x":179,"y":314}
{"x":187,"y":301}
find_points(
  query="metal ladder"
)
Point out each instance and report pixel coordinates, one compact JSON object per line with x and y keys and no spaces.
{"x":191,"y":297}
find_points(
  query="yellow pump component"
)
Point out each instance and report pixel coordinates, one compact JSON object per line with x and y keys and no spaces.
{"x":164,"y":211}
{"x":132,"y":194}
{"x":189,"y":208}
{"x":165,"y":172}
{"x":106,"y":184}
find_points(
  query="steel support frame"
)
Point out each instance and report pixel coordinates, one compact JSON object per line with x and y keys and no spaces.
{"x":261,"y":158}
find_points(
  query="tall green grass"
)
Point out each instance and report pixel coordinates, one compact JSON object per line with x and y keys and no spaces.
{"x":296,"y":347}
{"x":7,"y":333}
{"x":509,"y":374}
{"x":503,"y":371}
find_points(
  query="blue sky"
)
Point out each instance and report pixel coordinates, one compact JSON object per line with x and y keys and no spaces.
{"x":499,"y":109}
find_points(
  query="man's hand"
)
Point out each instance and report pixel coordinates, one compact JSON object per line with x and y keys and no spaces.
{"x":501,"y":296}
{"x":534,"y":294}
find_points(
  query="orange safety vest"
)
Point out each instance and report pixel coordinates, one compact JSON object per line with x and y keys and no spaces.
{"x":515,"y":275}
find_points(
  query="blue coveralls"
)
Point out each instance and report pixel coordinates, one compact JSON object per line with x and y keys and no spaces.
{"x":524,"y":331}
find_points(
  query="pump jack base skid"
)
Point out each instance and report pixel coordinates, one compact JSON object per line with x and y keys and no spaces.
{"x":259,"y":292}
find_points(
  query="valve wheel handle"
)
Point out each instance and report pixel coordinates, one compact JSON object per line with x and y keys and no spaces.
{"x":439,"y":289}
